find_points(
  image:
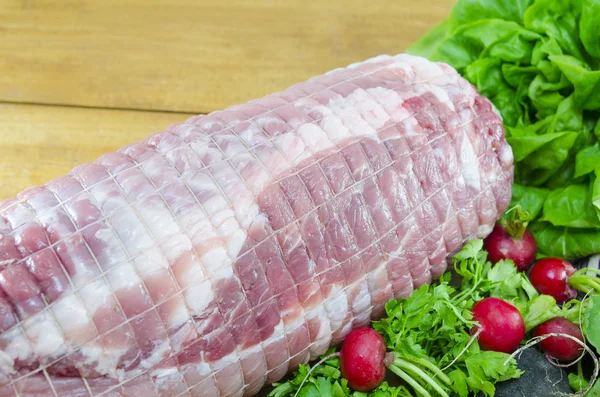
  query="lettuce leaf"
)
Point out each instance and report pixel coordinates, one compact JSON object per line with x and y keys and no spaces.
{"x":465,"y":10}
{"x":430,"y":42}
{"x":571,"y":207}
{"x":590,"y":18}
{"x":587,"y":159}
{"x":531,"y":199}
{"x":565,"y":242}
{"x":538,"y":61}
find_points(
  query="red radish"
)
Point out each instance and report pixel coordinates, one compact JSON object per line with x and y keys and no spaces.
{"x":558,"y":278}
{"x":363,"y":359}
{"x":501,"y":326}
{"x":561,"y":348}
{"x":550,"y":276}
{"x":515,"y":244}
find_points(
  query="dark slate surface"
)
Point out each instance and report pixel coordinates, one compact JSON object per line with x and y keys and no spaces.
{"x":541,"y":379}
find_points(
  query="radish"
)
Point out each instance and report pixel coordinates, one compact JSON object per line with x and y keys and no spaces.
{"x":501,"y":327}
{"x":515,"y":244}
{"x":558,"y":347}
{"x":363,"y":359}
{"x":550,"y":276}
{"x":558,"y":278}
{"x":363,"y":363}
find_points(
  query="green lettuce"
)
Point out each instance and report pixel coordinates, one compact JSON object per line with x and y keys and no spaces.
{"x":538,"y":62}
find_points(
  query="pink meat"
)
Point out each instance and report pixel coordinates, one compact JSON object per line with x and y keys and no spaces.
{"x":218,"y":255}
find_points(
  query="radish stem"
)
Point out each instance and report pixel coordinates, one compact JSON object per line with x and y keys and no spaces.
{"x":436,"y":370}
{"x":408,"y":379}
{"x":586,"y":283}
{"x":586,"y":270}
{"x":580,"y":374}
{"x":583,"y":281}
{"x":420,"y":373}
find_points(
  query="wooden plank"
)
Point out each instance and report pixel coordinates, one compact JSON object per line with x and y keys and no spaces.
{"x":190,"y":55}
{"x":38,"y":143}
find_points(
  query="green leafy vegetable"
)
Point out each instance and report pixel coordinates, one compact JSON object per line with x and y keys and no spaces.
{"x":571,"y":207}
{"x":577,"y":382}
{"x":489,"y":9}
{"x":429,"y":334}
{"x":480,"y":279}
{"x":585,"y":81}
{"x":540,"y":309}
{"x":594,"y":391}
{"x":592,"y":321}
{"x":485,"y":366}
{"x":432,"y":325}
{"x":325,"y":380}
{"x":565,"y":242}
{"x":530,"y":199}
{"x":587,"y":160}
{"x":588,"y":28}
{"x":321,"y":387}
{"x":428,"y":44}
{"x":509,"y":284}
{"x":543,"y":307}
{"x":539,"y":63}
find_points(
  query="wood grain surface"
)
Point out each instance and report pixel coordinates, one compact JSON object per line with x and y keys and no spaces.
{"x":39,"y":143}
{"x":190,"y":55}
{"x":79,"y":78}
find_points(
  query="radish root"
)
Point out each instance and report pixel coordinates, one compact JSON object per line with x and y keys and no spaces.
{"x":538,"y":339}
{"x":463,"y":351}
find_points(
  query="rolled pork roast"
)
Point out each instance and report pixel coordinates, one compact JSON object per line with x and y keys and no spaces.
{"x":216,"y":256}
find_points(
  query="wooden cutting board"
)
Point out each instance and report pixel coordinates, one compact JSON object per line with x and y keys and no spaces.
{"x":79,"y":78}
